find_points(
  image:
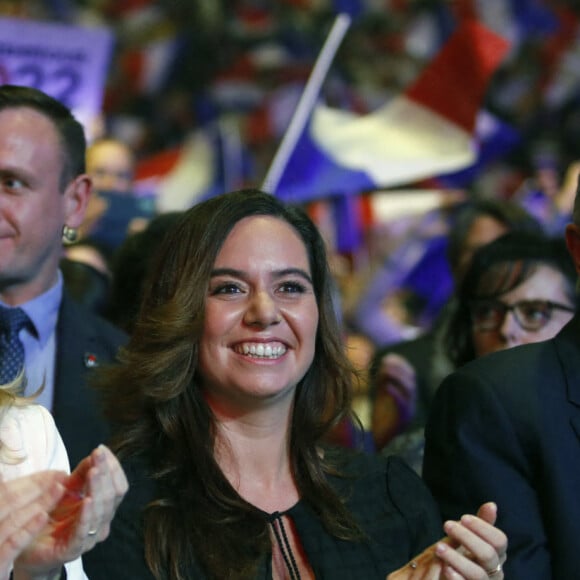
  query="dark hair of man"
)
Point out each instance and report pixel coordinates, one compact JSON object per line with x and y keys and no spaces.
{"x":498,"y":268}
{"x":154,"y":396}
{"x":508,"y":213}
{"x":70,"y":131}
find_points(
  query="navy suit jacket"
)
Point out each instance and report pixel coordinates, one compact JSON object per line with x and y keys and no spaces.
{"x":506,"y":427}
{"x":83,"y":340}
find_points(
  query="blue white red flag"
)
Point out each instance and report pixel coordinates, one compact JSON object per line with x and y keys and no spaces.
{"x":210,"y":161}
{"x":495,"y":140}
{"x":425,"y":132}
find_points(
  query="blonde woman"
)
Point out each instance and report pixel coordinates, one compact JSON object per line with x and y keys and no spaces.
{"x":47,"y":517}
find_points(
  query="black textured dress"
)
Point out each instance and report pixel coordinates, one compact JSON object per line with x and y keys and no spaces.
{"x":389,"y":501}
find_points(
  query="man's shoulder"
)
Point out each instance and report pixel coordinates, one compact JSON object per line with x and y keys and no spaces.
{"x":511,"y":373}
{"x":106,"y":328}
{"x":82,"y":333}
{"x":533,"y":355}
{"x":75,"y":316}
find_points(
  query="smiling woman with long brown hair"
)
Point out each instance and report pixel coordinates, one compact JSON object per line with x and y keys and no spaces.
{"x":234,"y":374}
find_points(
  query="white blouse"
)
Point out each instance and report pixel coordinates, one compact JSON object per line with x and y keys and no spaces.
{"x":30,"y":442}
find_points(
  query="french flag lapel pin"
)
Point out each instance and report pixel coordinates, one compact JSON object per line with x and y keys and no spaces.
{"x":90,"y":360}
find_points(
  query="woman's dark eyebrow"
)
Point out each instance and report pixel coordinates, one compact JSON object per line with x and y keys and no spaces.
{"x":294,"y":272}
{"x":227,"y":272}
{"x":278,"y":273}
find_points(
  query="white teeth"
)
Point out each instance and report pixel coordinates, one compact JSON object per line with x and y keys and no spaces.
{"x":261,"y":350}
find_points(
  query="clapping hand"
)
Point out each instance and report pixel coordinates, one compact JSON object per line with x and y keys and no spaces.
{"x":82,"y":516}
{"x":472,"y":550}
{"x":25,"y":504}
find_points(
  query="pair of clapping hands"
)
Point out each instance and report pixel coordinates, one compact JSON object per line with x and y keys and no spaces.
{"x":50,"y":517}
{"x":472,"y":550}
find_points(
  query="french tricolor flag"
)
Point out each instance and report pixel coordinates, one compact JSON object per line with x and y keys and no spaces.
{"x":211,"y":160}
{"x":427,"y":131}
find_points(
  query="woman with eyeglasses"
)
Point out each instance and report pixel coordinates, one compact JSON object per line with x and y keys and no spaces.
{"x":519,"y":289}
{"x":506,"y":424}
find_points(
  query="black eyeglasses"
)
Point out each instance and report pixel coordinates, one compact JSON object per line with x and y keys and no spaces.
{"x":531,"y":315}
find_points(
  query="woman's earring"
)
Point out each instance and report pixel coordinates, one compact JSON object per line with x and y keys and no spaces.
{"x":69,"y":235}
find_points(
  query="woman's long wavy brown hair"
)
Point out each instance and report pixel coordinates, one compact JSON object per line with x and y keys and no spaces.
{"x":154,"y":398}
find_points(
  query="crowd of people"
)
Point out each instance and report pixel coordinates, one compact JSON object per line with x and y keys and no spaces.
{"x":247,"y":61}
{"x":183,"y":395}
{"x":246,"y":356}
{"x":220,"y":389}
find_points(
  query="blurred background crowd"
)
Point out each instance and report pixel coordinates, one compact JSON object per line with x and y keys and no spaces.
{"x":228,"y":75}
{"x":178,"y":66}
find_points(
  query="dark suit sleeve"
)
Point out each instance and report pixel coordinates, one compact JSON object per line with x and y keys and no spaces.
{"x":480,"y":447}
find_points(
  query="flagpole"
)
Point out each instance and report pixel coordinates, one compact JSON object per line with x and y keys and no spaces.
{"x":306,"y":103}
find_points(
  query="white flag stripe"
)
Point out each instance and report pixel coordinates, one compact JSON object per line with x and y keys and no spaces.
{"x":398,"y":142}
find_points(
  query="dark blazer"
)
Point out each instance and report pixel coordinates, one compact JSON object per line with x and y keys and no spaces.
{"x":506,"y":427}
{"x":83,"y":341}
{"x":390,"y":503}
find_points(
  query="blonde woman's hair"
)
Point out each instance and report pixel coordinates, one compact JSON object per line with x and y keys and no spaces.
{"x":11,"y":396}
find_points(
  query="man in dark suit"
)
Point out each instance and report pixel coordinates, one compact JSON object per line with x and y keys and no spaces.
{"x":44,"y":192}
{"x":506,"y":428}
{"x":84,"y":341}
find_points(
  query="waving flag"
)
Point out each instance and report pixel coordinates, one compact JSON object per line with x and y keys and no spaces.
{"x":495,"y":139}
{"x":427,"y":131}
{"x":210,"y":161}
